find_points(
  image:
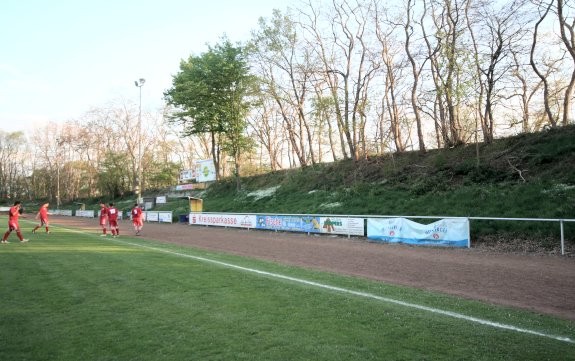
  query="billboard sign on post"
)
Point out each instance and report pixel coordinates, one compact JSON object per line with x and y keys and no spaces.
{"x":205,"y":171}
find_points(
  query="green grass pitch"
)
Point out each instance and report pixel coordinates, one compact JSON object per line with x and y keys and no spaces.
{"x":76,"y":296}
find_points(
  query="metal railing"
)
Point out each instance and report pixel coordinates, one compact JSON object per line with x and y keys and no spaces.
{"x":561,"y":221}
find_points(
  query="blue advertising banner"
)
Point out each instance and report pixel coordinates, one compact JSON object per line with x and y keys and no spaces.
{"x":445,"y":232}
{"x":289,"y":223}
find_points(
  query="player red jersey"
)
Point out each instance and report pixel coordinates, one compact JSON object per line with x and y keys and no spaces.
{"x":113,"y":219}
{"x":103,"y":212}
{"x":13,"y":216}
{"x":137,"y":216}
{"x":103,"y":215}
{"x":112,"y":214}
{"x":43,"y":213}
{"x":136,"y":213}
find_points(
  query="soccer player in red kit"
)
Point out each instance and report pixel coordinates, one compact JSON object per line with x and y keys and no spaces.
{"x":137,"y":219}
{"x":43,"y":216}
{"x":103,"y":219}
{"x":13,"y":215}
{"x":113,"y":220}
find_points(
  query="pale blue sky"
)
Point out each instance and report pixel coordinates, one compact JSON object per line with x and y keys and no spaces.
{"x":59,"y":58}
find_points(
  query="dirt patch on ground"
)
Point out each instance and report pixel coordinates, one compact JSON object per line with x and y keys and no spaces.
{"x":545,"y":284}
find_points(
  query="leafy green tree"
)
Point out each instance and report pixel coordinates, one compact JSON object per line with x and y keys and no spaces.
{"x":211,"y":95}
{"x":112,"y":179}
{"x":163,"y":174}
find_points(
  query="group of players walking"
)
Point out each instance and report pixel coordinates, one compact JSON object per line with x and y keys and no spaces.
{"x":108,"y":215}
{"x":13,"y":216}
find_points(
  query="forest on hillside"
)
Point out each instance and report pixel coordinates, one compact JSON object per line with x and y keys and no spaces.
{"x":325,"y":81}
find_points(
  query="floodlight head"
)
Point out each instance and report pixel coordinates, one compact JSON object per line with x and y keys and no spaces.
{"x":142,"y":81}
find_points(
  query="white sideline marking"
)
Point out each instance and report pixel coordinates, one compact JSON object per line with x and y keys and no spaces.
{"x":357,"y":293}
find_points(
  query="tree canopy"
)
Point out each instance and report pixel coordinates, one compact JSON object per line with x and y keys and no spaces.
{"x":209,"y":95}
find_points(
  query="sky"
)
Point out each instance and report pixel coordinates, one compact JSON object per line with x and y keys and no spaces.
{"x":60,"y":58}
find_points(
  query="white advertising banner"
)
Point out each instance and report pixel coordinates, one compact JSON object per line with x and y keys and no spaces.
{"x":223,"y":220}
{"x":165,"y":217}
{"x":342,"y":225}
{"x":88,"y":214}
{"x":205,"y":171}
{"x":151,"y":216}
{"x":445,"y":232}
{"x":60,"y":212}
{"x":187,"y":175}
{"x":161,"y":200}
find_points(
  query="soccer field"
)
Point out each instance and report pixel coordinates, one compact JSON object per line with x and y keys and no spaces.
{"x":76,"y":296}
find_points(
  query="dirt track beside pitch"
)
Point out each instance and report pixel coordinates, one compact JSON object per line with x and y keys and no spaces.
{"x":544,"y":284}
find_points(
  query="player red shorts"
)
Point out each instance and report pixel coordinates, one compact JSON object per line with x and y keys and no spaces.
{"x":137,"y":222}
{"x":102,"y":221}
{"x":113,"y":223}
{"x":13,"y":226}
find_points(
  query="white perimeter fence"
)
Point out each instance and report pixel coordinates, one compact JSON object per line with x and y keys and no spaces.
{"x":342,"y":224}
{"x":149,"y":216}
{"x":346,"y":224}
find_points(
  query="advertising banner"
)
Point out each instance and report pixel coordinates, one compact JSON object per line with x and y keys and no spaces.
{"x":187,"y":175}
{"x":161,"y":200}
{"x":445,"y":232}
{"x":342,"y":225}
{"x":88,"y":214}
{"x":205,"y":171}
{"x":223,"y":220}
{"x":309,"y":224}
{"x":60,"y":212}
{"x":183,"y":187}
{"x":151,"y":216}
{"x":165,"y":217}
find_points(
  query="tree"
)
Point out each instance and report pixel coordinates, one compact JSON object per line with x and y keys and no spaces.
{"x":536,"y":67}
{"x":500,"y":31}
{"x":285,"y":69}
{"x":416,"y":71}
{"x":209,"y":95}
{"x":265,"y":123}
{"x":566,"y":24}
{"x":12,"y":146}
{"x":112,"y":178}
{"x":348,"y":62}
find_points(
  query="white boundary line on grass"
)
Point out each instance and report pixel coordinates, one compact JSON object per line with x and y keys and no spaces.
{"x":356,"y":293}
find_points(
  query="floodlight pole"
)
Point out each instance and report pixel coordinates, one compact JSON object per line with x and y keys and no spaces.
{"x":139,"y":83}
{"x":57,"y":173}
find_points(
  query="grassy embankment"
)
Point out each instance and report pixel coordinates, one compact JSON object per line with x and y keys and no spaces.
{"x":526,"y":176}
